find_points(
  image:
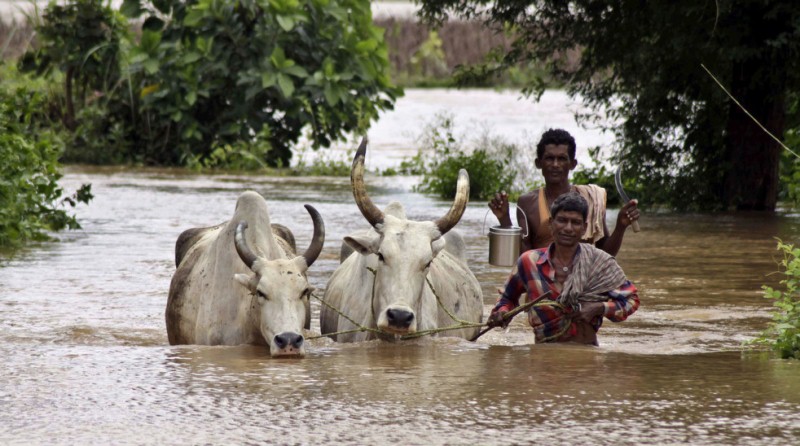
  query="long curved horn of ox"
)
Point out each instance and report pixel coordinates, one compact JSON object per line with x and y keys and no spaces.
{"x":452,"y":217}
{"x":318,"y":239}
{"x":244,"y":251}
{"x":371,"y":212}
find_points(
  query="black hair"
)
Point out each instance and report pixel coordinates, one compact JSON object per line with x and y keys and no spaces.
{"x":557,"y":137}
{"x":570,"y":202}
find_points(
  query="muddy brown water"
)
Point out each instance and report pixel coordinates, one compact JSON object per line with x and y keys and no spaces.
{"x":86,"y":358}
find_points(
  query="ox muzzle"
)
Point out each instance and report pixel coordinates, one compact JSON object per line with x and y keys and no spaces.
{"x":398,"y":320}
{"x":287,"y":344}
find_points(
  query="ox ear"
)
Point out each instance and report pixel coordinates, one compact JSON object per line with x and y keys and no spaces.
{"x":249,"y":282}
{"x":365,"y":244}
{"x":301,"y":263}
{"x":438,"y":245}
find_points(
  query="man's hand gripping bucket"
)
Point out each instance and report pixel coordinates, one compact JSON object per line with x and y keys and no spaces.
{"x":504,"y":243}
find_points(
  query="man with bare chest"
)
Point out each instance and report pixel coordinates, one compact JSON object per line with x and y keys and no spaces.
{"x":555,"y":157}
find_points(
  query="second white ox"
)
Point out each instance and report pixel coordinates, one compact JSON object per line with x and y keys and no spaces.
{"x":384,"y":284}
{"x":234,"y":286}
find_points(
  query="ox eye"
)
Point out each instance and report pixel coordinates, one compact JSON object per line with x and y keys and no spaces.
{"x":261,"y":294}
{"x":380,"y":258}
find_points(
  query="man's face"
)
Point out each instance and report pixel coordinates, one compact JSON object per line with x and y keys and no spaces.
{"x":568,"y":227}
{"x":555,"y":163}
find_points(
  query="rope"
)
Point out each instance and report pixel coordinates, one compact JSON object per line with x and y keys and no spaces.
{"x":747,"y":112}
{"x":360,"y":328}
{"x":510,"y":315}
{"x":461,"y":323}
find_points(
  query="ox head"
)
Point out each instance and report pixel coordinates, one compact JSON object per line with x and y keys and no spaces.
{"x":281,"y":289}
{"x":405,"y":250}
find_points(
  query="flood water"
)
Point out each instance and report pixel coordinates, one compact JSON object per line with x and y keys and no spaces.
{"x":86,"y":358}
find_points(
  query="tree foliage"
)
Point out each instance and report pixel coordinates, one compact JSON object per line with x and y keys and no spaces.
{"x":204,"y":79}
{"x":211,"y":72}
{"x":640,"y":64}
{"x":31,"y":201}
{"x":82,"y":39}
{"x":783,"y":333}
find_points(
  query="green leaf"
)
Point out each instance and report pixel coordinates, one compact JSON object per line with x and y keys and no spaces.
{"x":191,"y":57}
{"x":286,"y":84}
{"x":151,"y":66}
{"x":251,"y":92}
{"x":149,"y":41}
{"x":131,"y":8}
{"x":268,"y":80}
{"x":296,"y":71}
{"x":286,"y":22}
{"x":194,"y":17}
{"x":366,"y":45}
{"x":331,"y":96}
{"x":278,"y":57}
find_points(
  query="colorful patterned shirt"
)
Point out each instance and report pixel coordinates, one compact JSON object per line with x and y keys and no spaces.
{"x":534,"y":274}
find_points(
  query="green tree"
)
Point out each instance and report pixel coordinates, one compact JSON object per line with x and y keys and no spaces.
{"x":82,"y":39}
{"x":213,"y":72}
{"x":640,"y":63}
{"x":31,"y":201}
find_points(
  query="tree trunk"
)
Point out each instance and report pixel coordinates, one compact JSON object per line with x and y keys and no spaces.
{"x":751,"y":181}
{"x":69,"y":118}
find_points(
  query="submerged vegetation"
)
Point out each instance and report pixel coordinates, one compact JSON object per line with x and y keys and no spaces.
{"x":783,"y":333}
{"x":31,"y":201}
{"x":442,"y":155}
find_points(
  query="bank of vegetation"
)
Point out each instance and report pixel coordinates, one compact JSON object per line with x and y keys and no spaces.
{"x":217,"y":84}
{"x":226,"y":85}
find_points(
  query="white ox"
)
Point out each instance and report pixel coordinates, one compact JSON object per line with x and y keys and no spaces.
{"x":397,"y":298}
{"x":235,"y":287}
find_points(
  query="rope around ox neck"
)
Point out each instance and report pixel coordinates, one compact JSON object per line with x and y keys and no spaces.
{"x":460,"y":322}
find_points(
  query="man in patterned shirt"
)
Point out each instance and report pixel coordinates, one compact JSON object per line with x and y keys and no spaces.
{"x":576,"y":284}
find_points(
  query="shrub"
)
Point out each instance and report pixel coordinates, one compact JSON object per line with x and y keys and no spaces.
{"x":783,"y":333}
{"x":208,"y":74}
{"x":441,"y":156}
{"x":31,"y":202}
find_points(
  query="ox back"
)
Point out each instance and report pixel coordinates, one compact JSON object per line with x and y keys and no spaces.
{"x":206,"y":305}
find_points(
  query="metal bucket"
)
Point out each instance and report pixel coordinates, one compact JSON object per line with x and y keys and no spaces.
{"x":504,"y":245}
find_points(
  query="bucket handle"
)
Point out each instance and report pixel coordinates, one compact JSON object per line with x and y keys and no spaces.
{"x":527,"y":224}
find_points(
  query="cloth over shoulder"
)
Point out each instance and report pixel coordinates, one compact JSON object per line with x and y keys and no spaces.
{"x":595,"y":273}
{"x":596,"y":197}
